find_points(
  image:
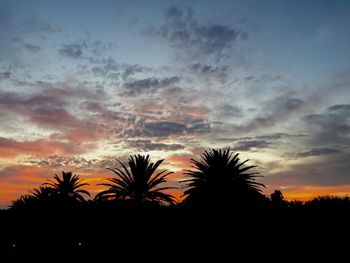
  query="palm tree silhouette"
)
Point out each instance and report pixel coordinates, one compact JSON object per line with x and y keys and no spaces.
{"x":68,"y":188}
{"x":22,"y":201}
{"x":44,"y":193}
{"x":139,"y":183}
{"x":220,"y":179}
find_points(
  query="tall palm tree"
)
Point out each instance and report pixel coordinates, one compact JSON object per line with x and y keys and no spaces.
{"x":139,"y":183}
{"x":68,"y":188}
{"x":221,"y":179}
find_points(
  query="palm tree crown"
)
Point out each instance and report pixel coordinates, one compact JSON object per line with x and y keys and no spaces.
{"x":220,"y":178}
{"x":139,"y":183}
{"x":69,"y":186}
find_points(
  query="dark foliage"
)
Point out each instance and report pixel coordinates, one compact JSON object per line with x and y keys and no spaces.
{"x":220,"y":179}
{"x":140,"y":183}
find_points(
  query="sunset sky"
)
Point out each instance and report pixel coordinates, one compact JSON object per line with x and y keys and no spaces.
{"x":85,"y":82}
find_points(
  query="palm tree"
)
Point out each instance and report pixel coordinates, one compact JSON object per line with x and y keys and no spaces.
{"x":68,"y":188}
{"x":221,"y":179}
{"x":139,"y":183}
{"x":22,"y":201}
{"x":44,"y":193}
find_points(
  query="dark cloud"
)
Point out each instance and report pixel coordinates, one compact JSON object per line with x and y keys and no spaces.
{"x":131,"y":70}
{"x":148,"y":145}
{"x":331,"y":128}
{"x":248,"y":145}
{"x":198,"y":126}
{"x":279,"y":135}
{"x":98,"y":47}
{"x":331,"y":170}
{"x":208,"y":72}
{"x":163,"y":129}
{"x":90,"y":50}
{"x":149,"y":85}
{"x":183,"y":32}
{"x":168,"y":128}
{"x":340,"y":108}
{"x":319,"y":152}
{"x":107,"y":65}
{"x":273,"y":111}
{"x":5,"y":75}
{"x":74,"y":51}
{"x":32,"y":48}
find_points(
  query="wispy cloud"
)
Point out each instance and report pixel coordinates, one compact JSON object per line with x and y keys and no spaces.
{"x":148,"y":85}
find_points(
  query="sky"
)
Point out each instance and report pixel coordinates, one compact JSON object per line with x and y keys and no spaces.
{"x":83,"y":83}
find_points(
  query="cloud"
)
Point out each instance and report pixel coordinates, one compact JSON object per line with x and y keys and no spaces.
{"x":45,"y":108}
{"x":318,"y":152}
{"x":5,"y":75}
{"x":207,"y":72}
{"x":163,"y":129}
{"x":74,"y":51}
{"x":167,"y":129}
{"x":339,"y":108}
{"x":248,"y":145}
{"x":10,"y":148}
{"x":108,"y":65}
{"x":327,"y":170}
{"x":331,"y":128}
{"x":131,"y":70}
{"x":225,"y":110}
{"x":184,"y":33}
{"x":148,"y":85}
{"x":273,"y":111}
{"x":148,"y":145}
{"x":32,"y":48}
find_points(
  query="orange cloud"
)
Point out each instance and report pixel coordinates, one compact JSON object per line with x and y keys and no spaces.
{"x":10,"y":148}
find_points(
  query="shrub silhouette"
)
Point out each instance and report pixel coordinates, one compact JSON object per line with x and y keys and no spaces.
{"x":139,"y":183}
{"x":277,"y":199}
{"x":220,"y":179}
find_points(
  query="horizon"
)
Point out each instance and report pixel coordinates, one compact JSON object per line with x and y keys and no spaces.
{"x":83,"y":83}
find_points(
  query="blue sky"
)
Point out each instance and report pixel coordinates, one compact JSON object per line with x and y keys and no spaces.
{"x":83,"y":82}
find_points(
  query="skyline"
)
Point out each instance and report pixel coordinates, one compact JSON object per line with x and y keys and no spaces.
{"x":86,"y":82}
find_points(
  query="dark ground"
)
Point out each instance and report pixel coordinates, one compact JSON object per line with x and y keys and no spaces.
{"x":101,"y":234}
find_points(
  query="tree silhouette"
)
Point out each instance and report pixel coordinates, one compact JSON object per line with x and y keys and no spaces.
{"x":22,"y":201}
{"x":44,"y":193}
{"x":277,"y":199}
{"x":68,"y":188}
{"x":220,"y":179}
{"x":139,"y":183}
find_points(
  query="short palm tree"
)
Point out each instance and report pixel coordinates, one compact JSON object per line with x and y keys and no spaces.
{"x":139,"y":183}
{"x":44,"y":193}
{"x":221,"y":179}
{"x":22,"y":201}
{"x":68,"y":188}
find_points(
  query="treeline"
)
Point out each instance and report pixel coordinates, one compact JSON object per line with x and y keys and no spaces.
{"x":223,"y":207}
{"x":218,"y":180}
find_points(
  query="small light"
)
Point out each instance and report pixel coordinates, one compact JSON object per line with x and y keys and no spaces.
{"x":13,"y":245}
{"x":79,"y":243}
